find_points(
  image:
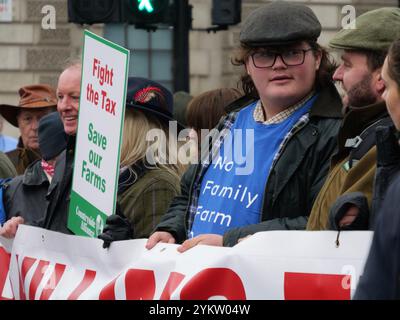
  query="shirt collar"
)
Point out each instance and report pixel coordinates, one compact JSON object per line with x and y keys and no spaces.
{"x":259,"y":116}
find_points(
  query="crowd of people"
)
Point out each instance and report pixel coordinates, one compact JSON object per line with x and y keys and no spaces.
{"x":314,"y":159}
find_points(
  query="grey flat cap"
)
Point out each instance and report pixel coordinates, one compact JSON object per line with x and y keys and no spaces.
{"x":280,"y":23}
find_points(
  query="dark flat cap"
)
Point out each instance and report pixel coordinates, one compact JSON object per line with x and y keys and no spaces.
{"x":280,"y":23}
{"x":374,"y":30}
{"x":52,"y":137}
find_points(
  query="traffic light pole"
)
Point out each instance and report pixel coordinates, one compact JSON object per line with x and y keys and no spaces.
{"x":182,"y":26}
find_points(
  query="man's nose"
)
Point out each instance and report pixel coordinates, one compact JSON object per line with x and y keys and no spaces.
{"x":338,"y":75}
{"x":279,"y":63}
{"x":35,"y":123}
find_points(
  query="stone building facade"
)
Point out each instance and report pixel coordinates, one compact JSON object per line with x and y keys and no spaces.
{"x":31,"y":54}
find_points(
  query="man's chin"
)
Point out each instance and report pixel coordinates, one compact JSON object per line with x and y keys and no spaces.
{"x":33,"y":146}
{"x":345,"y":101}
{"x":70,"y":130}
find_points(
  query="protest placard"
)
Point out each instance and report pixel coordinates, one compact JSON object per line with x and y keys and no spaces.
{"x":99,"y":135}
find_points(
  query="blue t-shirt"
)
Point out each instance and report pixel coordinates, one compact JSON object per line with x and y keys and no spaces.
{"x":232,"y":189}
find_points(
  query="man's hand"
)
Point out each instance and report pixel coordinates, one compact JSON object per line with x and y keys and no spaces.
{"x":349,"y":216}
{"x":159,"y":236}
{"x":207,"y":239}
{"x":10,"y":228}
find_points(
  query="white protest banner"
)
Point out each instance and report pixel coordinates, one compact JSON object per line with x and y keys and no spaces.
{"x":101,"y":116}
{"x":5,"y":256}
{"x":269,"y":265}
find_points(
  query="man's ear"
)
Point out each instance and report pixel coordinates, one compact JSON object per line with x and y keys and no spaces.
{"x":246,"y":65}
{"x":378,"y":81}
{"x":247,"y":69}
{"x":318,"y":60}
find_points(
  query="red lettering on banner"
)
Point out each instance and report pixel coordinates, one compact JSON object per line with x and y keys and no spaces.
{"x":25,"y":266}
{"x":4,"y":268}
{"x":87,"y":280}
{"x":53,"y":281}
{"x":108,"y":292}
{"x":174,"y":280}
{"x":314,"y":286}
{"x":214,"y":282}
{"x":37,"y":278}
{"x":140,"y":284}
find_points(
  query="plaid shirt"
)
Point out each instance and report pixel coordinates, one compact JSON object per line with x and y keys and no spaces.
{"x":281,"y":116}
{"x":226,"y":126}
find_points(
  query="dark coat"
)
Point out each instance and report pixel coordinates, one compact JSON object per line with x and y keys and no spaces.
{"x":387,"y":168}
{"x":59,"y":192}
{"x":293,"y":183}
{"x":381,"y":277}
{"x":25,"y":195}
{"x":387,"y":161}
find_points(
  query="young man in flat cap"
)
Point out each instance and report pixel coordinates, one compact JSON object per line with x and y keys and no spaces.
{"x":35,"y":102}
{"x":295,"y":116}
{"x":345,"y":199}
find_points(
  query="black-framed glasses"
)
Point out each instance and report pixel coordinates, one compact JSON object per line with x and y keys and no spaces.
{"x":267,"y":58}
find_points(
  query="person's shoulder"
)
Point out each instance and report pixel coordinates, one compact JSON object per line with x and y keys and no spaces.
{"x":11,"y":186}
{"x":160,"y":174}
{"x":7,"y":169}
{"x":158,"y":179}
{"x":3,"y":156}
{"x":248,"y":108}
{"x":154,"y":180}
{"x":13,"y":153}
{"x":240,"y":103}
{"x":15,"y":182}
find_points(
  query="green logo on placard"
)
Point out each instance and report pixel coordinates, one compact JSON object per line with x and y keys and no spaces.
{"x":85,"y":219}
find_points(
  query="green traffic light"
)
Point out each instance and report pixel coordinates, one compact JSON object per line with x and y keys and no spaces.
{"x":145,"y":5}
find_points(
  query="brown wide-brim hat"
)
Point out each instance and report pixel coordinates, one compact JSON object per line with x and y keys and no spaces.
{"x":31,"y":97}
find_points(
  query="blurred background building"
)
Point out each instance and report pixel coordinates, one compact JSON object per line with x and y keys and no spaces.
{"x":30,"y":53}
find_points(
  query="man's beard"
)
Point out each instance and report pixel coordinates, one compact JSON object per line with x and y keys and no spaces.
{"x":361,"y":94}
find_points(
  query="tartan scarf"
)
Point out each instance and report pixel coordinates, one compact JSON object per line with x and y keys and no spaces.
{"x":48,"y":168}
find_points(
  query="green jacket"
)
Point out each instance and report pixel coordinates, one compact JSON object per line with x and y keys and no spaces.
{"x":148,"y":199}
{"x":341,"y":179}
{"x":294,"y":180}
{"x":7,"y":169}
